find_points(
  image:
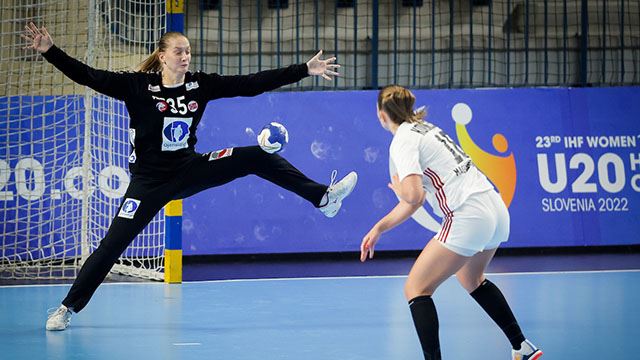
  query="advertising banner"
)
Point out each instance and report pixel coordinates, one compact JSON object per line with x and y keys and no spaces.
{"x":565,"y":161}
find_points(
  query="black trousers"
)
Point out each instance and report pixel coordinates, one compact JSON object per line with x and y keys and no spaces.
{"x":150,"y":195}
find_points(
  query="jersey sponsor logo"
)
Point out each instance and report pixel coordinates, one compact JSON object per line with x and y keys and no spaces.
{"x":193,"y":105}
{"x":132,"y":140}
{"x":175,"y":133}
{"x":162,"y":106}
{"x":133,"y":157}
{"x":129,"y":208}
{"x":192,"y":85}
{"x":154,"y":88}
{"x":215,"y":155}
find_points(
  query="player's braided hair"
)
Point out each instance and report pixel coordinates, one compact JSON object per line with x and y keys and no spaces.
{"x":152,"y":63}
{"x":398,"y":103}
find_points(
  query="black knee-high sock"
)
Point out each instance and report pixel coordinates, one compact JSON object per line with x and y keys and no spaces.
{"x":425,"y":319}
{"x":493,"y":302}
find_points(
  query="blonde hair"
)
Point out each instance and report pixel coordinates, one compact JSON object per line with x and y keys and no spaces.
{"x":398,"y":103}
{"x":152,"y":63}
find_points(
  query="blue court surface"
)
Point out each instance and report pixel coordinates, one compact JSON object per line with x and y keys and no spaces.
{"x":570,"y":315}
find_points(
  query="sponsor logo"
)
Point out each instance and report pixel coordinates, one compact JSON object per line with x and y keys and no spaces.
{"x":132,"y":136}
{"x":219,"y":154}
{"x":129,"y":208}
{"x":154,"y":88}
{"x":193,"y":105}
{"x":133,"y":157}
{"x":162,"y":106}
{"x":192,"y":85}
{"x":132,"y":139}
{"x":175,"y":133}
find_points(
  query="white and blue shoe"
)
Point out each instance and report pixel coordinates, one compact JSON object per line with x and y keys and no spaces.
{"x":336,"y":192}
{"x":527,"y":351}
{"x":59,"y":319}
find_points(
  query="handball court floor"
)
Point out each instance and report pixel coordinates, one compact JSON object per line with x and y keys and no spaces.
{"x":581,"y":306}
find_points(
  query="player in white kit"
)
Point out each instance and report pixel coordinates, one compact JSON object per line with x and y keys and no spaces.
{"x":431,"y":167}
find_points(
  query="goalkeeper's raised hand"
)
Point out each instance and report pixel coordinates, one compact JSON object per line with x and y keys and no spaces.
{"x":324,"y":68}
{"x":37,"y":38}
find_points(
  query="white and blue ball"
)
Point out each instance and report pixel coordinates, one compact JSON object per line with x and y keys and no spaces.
{"x":273,"y":137}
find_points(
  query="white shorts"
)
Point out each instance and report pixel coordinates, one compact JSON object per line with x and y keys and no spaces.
{"x":480,"y":223}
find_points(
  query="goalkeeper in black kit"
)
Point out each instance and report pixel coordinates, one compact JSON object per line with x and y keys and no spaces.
{"x":165,"y":102}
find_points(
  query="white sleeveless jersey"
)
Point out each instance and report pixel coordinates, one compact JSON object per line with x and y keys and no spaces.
{"x":448,"y":175}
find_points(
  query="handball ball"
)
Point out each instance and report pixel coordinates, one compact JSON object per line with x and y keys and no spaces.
{"x":273,"y":137}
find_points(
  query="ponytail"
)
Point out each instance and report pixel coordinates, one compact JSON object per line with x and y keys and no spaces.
{"x":419,"y":114}
{"x":151,"y":63}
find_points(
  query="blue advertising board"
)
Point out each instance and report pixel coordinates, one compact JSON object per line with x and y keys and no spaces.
{"x":566,"y":161}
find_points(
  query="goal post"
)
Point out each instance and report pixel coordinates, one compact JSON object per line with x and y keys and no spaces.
{"x":63,"y":147}
{"x":173,"y":210}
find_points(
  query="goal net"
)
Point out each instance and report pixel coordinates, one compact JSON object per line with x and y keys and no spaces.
{"x":63,"y":147}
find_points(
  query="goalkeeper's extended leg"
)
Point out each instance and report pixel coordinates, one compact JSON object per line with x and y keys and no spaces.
{"x":222,"y":166}
{"x":141,"y":203}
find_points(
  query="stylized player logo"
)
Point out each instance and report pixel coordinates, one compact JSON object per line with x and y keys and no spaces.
{"x":176,"y":131}
{"x":501,"y":170}
{"x":130,"y":206}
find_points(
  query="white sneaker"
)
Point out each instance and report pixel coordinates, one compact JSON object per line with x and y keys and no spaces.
{"x":59,"y":318}
{"x":337,"y":192}
{"x":527,"y":351}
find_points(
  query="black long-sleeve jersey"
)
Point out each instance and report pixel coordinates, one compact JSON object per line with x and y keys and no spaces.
{"x":163,"y":120}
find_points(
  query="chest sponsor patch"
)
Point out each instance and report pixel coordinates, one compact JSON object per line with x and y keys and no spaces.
{"x":175,"y":133}
{"x":129,"y":208}
{"x":192,"y":85}
{"x":219,"y":154}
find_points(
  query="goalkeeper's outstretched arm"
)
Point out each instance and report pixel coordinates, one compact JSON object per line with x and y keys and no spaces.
{"x":115,"y":84}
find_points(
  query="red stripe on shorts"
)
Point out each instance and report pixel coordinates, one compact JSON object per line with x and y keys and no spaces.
{"x":438,"y":185}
